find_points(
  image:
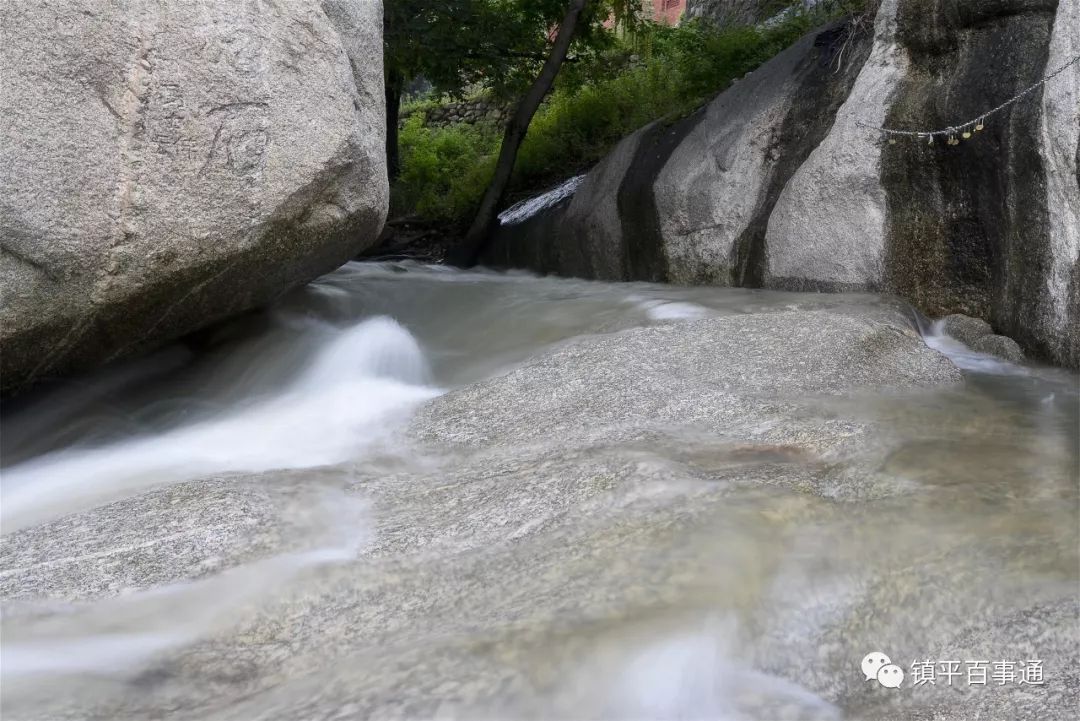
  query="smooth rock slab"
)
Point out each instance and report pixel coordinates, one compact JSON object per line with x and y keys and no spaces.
{"x":692,"y":491}
{"x":708,"y":372}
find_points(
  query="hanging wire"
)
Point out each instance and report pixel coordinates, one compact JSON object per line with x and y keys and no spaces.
{"x":964,"y":130}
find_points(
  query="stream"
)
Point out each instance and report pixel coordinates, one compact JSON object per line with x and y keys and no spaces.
{"x":241,"y":527}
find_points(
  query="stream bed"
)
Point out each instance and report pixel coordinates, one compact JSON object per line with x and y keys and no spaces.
{"x":409,"y":491}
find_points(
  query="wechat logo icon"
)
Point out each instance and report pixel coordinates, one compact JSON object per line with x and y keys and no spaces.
{"x":877,"y":666}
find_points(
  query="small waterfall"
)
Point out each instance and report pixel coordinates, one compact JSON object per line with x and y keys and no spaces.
{"x":965,"y":358}
{"x":709,"y":569}
{"x":531,"y":206}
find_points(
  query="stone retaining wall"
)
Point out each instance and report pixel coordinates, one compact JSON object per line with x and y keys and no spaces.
{"x":463,"y":111}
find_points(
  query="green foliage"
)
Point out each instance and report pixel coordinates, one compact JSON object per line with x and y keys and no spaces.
{"x":706,"y":60}
{"x":443,"y":170}
{"x":455,"y":44}
{"x":575,"y":128}
{"x":658,"y":72}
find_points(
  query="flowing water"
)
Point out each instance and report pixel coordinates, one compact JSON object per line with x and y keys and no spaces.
{"x":295,"y":415}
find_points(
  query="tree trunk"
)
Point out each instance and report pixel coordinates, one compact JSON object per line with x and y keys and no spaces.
{"x":484,"y":222}
{"x":393,"y":108}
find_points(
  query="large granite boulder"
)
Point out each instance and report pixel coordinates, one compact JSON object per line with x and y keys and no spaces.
{"x":782,"y":180}
{"x":688,"y":201}
{"x":165,"y":165}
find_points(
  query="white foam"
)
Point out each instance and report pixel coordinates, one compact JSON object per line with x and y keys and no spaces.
{"x":527,"y":208}
{"x":365,"y":377}
{"x":965,"y":358}
{"x":660,"y":310}
{"x":694,"y":674}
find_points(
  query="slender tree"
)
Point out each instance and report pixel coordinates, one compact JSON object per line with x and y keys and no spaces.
{"x":458,"y":44}
{"x":512,"y":48}
{"x":516,"y":128}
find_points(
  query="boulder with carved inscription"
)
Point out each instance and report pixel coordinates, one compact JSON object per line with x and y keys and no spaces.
{"x":166,"y":165}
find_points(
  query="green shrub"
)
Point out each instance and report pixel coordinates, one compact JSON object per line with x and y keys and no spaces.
{"x":444,"y":170}
{"x":574,"y":129}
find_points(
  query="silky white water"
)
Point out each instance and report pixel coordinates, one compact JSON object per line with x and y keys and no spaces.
{"x":299,"y":409}
{"x":340,"y":400}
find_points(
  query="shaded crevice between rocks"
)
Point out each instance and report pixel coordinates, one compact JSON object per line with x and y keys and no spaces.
{"x":967,"y":225}
{"x":1071,"y":343}
{"x":825,"y":80}
{"x":643,"y":243}
{"x":512,"y":246}
{"x":131,"y":325}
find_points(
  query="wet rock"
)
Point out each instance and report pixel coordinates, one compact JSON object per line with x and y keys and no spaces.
{"x":784,"y":180}
{"x":706,"y":372}
{"x":169,"y":166}
{"x":1000,"y":346}
{"x":689,"y":201}
{"x":826,"y":229}
{"x":973,"y":230}
{"x":198,"y":528}
{"x":1039,"y":632}
{"x":608,"y":507}
{"x":966,"y":329}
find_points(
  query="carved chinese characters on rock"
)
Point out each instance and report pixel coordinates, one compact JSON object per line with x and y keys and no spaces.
{"x":168,"y":129}
{"x":205,"y":126}
{"x":240,"y":139}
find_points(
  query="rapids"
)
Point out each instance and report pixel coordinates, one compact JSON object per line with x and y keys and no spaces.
{"x":321,"y":387}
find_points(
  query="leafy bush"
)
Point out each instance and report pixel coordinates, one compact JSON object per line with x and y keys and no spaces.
{"x":574,"y":129}
{"x":665,"y":72}
{"x":444,"y":170}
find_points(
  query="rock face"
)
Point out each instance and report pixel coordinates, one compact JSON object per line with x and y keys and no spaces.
{"x":471,"y":111}
{"x":1001,"y":346}
{"x":167,"y":165}
{"x":735,"y":12}
{"x":965,"y":329}
{"x":652,"y":377}
{"x":827,"y":228}
{"x":782,"y":180}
